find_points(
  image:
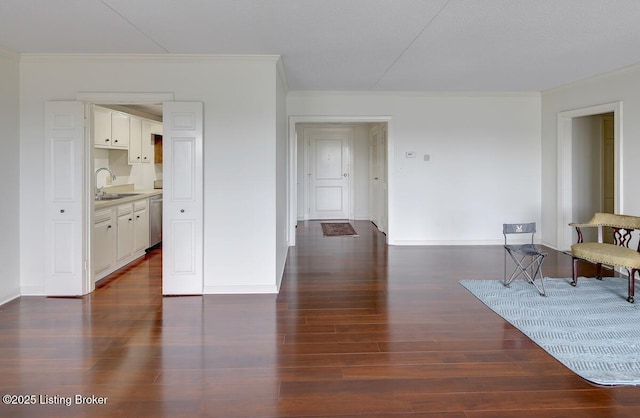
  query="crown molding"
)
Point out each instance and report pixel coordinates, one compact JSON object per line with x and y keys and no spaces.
{"x":8,"y":53}
{"x":593,"y":79}
{"x":402,"y":93}
{"x":168,"y":58}
{"x":282,"y":74}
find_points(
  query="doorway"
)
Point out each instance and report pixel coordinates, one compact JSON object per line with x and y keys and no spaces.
{"x":298,"y":176}
{"x":69,"y":201}
{"x":126,"y":160}
{"x":589,"y":169}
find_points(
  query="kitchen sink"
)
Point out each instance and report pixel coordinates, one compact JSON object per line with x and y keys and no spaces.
{"x":114,"y":196}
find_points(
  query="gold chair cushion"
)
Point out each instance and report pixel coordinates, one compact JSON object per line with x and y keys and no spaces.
{"x":609,"y":254}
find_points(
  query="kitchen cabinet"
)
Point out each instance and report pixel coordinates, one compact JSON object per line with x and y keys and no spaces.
{"x":140,"y":225}
{"x":140,"y":142}
{"x":120,"y":130}
{"x":120,"y":235}
{"x":110,"y":129}
{"x":135,"y":142}
{"x":101,"y":127}
{"x":104,"y":233}
{"x":125,"y":232}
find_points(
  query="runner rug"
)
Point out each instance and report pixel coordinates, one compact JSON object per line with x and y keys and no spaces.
{"x":338,"y":229}
{"x":590,"y":328}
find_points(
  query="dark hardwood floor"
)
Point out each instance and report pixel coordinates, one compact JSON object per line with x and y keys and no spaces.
{"x":358,"y":329}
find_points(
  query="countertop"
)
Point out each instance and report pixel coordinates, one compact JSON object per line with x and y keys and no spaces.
{"x":139,"y":194}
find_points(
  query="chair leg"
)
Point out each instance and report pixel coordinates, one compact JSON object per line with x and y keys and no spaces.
{"x":632,"y":285}
{"x":574,"y":272}
{"x":599,"y":271}
{"x":530,"y":271}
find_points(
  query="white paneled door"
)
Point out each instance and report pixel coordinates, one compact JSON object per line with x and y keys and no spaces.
{"x":65,"y":260}
{"x":182,"y":239}
{"x":329,"y":190}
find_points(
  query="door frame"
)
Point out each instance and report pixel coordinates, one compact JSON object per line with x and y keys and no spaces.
{"x":292,"y":192}
{"x":103,"y":98}
{"x":565,"y":166}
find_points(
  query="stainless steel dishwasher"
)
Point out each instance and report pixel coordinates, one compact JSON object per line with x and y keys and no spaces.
{"x":155,"y":221}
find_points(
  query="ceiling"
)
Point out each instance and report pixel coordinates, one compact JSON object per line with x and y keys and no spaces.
{"x":382,"y":45}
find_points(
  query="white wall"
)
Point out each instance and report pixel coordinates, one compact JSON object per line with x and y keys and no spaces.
{"x":9,"y":173}
{"x":484,"y":166}
{"x":609,"y":88}
{"x":239,"y":96}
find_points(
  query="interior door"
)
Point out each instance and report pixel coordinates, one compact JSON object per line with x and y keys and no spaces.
{"x":65,"y":241}
{"x":383,"y":194}
{"x":329,"y":174}
{"x":374,"y":180}
{"x":182,"y":198}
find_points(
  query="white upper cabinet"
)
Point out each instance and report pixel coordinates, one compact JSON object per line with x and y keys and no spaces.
{"x":135,"y":142}
{"x":110,"y":128}
{"x":101,"y":127}
{"x":120,"y":130}
{"x":141,"y":146}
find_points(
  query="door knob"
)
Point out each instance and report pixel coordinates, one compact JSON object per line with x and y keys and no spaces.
{"x":345,"y":175}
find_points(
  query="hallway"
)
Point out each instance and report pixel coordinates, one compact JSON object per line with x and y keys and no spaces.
{"x":358,"y":329}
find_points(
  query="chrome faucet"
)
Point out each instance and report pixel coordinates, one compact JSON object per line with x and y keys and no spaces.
{"x":98,"y":189}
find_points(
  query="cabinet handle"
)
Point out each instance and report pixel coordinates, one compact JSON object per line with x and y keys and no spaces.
{"x":130,"y":219}
{"x":181,"y":210}
{"x":106,"y":140}
{"x":108,"y":226}
{"x":138,"y":157}
{"x":138,"y":217}
{"x":115,"y":140}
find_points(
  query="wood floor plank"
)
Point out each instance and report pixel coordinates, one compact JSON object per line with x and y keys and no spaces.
{"x":359,"y":329}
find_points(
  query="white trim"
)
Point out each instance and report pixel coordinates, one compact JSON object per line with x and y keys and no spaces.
{"x":123,"y":97}
{"x":292,"y":217}
{"x":159,"y":58}
{"x":590,"y":80}
{"x":450,"y":242}
{"x":32,"y":291}
{"x":565,"y":174}
{"x":10,"y":296}
{"x":10,"y":54}
{"x":402,"y":93}
{"x":282,"y":74}
{"x":241,"y":290}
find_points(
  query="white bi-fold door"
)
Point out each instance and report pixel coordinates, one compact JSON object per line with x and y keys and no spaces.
{"x":182,"y":227}
{"x":66,"y":271}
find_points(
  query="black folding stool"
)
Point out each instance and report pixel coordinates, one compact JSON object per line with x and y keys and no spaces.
{"x":527,"y":257}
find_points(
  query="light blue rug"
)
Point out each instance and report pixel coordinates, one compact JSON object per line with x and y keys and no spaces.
{"x":590,"y":328}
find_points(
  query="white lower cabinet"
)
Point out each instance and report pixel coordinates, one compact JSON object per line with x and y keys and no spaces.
{"x":140,"y":225}
{"x":121,"y":235}
{"x":125,"y":231}
{"x":104,"y":238}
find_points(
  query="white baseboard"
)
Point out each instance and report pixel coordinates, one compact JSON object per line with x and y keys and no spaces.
{"x":447,"y":242}
{"x":9,"y":296}
{"x":32,"y":291}
{"x":240,"y":290}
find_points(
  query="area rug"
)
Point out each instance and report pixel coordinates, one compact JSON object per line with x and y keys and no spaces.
{"x":338,"y":229}
{"x":590,"y":328}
